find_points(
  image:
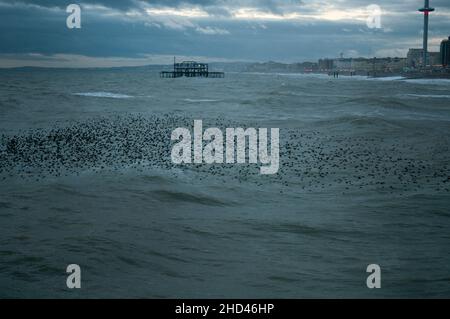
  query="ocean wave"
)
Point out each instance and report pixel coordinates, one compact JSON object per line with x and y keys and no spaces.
{"x":292,"y":75}
{"x":427,"y":96}
{"x":105,"y":95}
{"x":429,"y":81}
{"x":199,"y":100}
{"x":368,"y":78}
{"x":380,"y":101}
{"x":174,"y":196}
{"x":387,"y":78}
{"x":361,"y":120}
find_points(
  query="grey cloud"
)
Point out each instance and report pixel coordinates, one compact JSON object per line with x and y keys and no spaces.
{"x":37,"y":28}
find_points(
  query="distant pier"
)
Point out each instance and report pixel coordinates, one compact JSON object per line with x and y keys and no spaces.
{"x":191,"y":69}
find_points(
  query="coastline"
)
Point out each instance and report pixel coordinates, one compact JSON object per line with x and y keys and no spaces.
{"x":403,"y":75}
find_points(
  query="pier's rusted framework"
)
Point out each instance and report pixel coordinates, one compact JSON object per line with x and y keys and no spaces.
{"x":191,"y":69}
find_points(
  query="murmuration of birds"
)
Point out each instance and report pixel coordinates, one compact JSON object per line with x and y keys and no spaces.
{"x":310,"y":161}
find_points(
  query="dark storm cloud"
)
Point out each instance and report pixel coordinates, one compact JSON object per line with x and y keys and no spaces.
{"x":288,"y":30}
{"x":127,"y":4}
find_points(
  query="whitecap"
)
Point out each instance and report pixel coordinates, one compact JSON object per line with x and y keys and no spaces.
{"x":387,"y":78}
{"x":105,"y":95}
{"x":429,"y":81}
{"x":429,"y":96}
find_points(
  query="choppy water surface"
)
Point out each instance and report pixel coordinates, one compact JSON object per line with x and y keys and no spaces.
{"x":86,"y":178}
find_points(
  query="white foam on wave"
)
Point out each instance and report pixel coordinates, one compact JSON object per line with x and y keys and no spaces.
{"x":387,"y":78}
{"x":428,"y":96}
{"x":353,"y":77}
{"x":105,"y":95}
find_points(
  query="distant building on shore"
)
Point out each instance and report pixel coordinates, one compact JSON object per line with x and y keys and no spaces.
{"x":326,"y":65}
{"x":445,"y":52}
{"x":271,"y":66}
{"x":343,"y":64}
{"x":415,"y":58}
{"x":369,"y":66}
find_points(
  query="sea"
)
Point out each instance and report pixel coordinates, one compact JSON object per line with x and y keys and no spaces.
{"x":86,"y":178}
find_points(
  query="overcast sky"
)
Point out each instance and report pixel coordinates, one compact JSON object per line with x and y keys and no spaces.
{"x":134,"y":32}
